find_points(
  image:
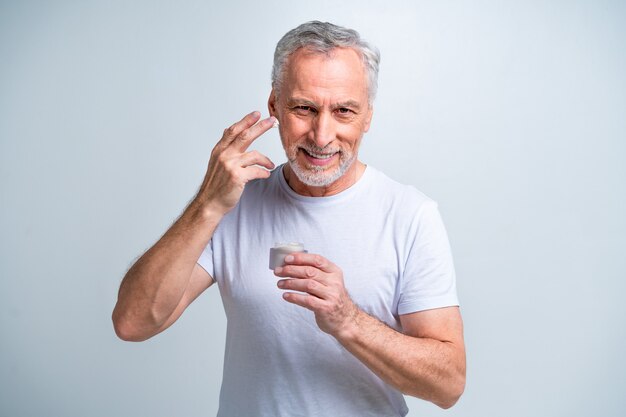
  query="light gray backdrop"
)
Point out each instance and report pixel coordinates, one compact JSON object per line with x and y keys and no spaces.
{"x":510,"y":114}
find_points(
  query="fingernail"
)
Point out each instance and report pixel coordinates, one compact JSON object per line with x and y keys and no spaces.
{"x":255,"y":114}
{"x":278,"y":269}
{"x":289,"y":258}
{"x":281,"y":284}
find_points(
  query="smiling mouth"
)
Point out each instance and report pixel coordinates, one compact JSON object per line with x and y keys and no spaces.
{"x":318,"y":155}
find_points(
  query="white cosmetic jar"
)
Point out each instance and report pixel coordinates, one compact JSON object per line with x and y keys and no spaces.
{"x":280,"y":250}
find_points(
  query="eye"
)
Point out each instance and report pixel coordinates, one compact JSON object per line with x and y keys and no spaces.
{"x":304,"y":110}
{"x":344,"y":113}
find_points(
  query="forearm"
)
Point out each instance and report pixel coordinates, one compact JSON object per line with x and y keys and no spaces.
{"x":155,"y":284}
{"x":161,"y":284}
{"x":426,"y":368}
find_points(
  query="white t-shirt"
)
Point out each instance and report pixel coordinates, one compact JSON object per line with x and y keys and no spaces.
{"x":392,"y":247}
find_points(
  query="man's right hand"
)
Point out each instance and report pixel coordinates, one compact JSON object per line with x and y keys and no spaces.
{"x":166,"y":279}
{"x":231,"y":166}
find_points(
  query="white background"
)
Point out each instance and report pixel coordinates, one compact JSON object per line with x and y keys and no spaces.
{"x":510,"y":114}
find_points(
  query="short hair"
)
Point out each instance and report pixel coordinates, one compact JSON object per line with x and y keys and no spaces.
{"x":323,"y":37}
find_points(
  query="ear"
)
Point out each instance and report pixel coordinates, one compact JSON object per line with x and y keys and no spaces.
{"x":368,"y":118}
{"x":271,"y":103}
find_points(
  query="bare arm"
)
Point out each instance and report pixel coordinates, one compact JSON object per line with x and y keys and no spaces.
{"x":427,"y":360}
{"x":166,"y":279}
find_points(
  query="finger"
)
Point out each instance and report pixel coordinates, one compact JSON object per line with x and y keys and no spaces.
{"x":256,"y":158}
{"x":234,"y":130}
{"x":254,"y":172}
{"x":308,"y":286}
{"x":298,"y":271}
{"x":247,"y":136}
{"x":312,"y":259}
{"x":303,"y":300}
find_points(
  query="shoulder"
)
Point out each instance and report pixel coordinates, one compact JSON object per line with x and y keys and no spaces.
{"x":397,"y":196}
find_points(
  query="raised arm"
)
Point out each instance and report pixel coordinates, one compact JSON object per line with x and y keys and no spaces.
{"x":166,"y":278}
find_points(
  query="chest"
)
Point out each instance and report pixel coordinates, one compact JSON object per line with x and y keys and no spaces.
{"x":362,"y":246}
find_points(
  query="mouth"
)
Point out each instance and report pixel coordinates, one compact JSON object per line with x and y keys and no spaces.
{"x":319,"y":159}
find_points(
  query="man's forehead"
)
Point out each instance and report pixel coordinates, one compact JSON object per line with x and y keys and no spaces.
{"x":307,"y":53}
{"x":336,"y":78}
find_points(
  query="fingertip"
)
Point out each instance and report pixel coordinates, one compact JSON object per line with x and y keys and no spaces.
{"x":269,"y":164}
{"x":253,"y":117}
{"x":266,"y":174}
{"x":269,"y":122}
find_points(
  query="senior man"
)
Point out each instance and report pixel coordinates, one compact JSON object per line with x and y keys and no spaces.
{"x":369,"y":313}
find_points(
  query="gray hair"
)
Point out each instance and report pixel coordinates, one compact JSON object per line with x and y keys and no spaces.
{"x":320,"y":37}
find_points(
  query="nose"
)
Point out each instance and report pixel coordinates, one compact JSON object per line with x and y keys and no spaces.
{"x":323,"y":129}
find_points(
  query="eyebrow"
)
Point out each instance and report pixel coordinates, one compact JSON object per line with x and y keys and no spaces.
{"x":349,"y":103}
{"x":301,"y":101}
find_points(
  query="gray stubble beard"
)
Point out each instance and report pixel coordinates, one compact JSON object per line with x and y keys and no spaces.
{"x":315,"y":176}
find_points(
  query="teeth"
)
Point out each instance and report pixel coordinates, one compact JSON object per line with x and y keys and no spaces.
{"x":318,"y":156}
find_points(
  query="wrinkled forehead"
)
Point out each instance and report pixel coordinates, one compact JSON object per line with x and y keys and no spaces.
{"x":340,"y":69}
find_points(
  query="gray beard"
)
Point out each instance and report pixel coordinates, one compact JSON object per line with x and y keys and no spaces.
{"x":316,"y":176}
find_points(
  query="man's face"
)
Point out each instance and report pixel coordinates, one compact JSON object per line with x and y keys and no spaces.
{"x":323,"y":110}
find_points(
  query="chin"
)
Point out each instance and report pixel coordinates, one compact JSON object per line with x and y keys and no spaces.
{"x":317,"y":176}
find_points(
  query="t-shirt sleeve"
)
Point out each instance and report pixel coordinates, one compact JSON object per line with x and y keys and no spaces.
{"x":206,"y":259}
{"x":429,"y":279}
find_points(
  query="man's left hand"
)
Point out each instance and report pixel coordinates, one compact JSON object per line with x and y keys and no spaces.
{"x":321,"y":290}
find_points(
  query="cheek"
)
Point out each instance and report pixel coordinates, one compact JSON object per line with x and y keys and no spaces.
{"x":349,"y":136}
{"x":293,"y":130}
{"x":287,"y":137}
